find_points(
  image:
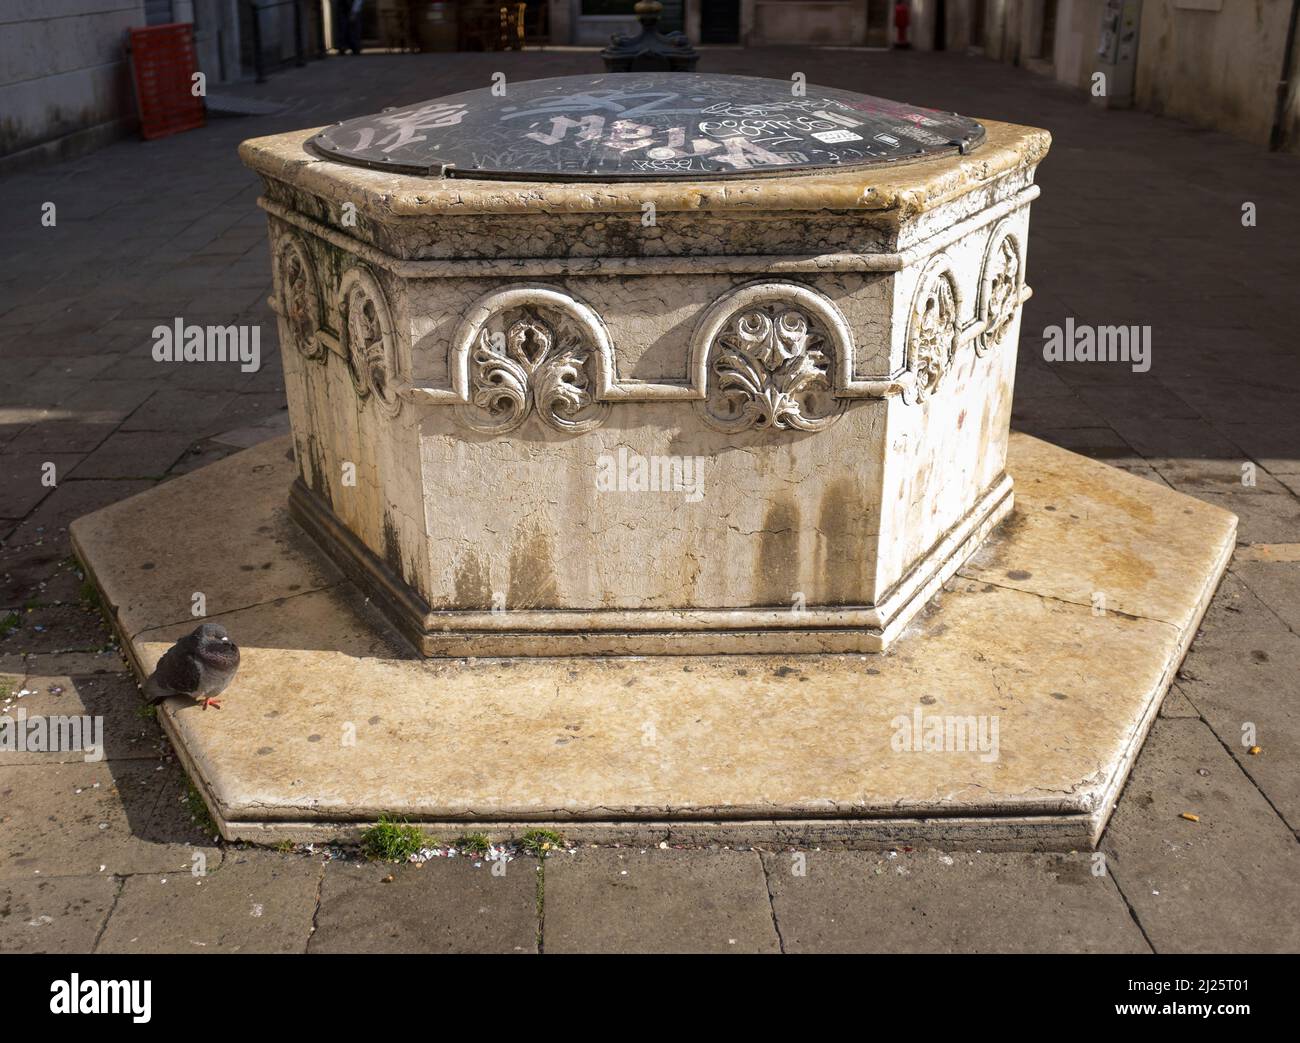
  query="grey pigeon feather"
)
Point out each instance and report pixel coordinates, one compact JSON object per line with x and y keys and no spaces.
{"x":199,"y":666}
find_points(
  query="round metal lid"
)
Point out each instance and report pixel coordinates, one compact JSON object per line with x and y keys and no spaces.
{"x":651,"y":126}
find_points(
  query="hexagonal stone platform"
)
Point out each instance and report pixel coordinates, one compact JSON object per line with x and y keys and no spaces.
{"x":1006,"y":716}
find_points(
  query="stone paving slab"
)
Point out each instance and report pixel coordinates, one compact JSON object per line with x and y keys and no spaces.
{"x":110,"y":818}
{"x":441,"y":906}
{"x":45,"y":629}
{"x":1273,"y":445}
{"x":38,"y":573}
{"x":1227,"y":883}
{"x":1276,"y":584}
{"x":1265,"y":517}
{"x":1133,"y":542}
{"x":110,"y":698}
{"x":639,"y":900}
{"x":181,"y":410}
{"x":52,"y":664}
{"x":251,"y":902}
{"x":927,"y":902}
{"x":1176,"y":704}
{"x":107,"y":401}
{"x":23,"y":477}
{"x":41,"y":436}
{"x":133,"y":455}
{"x":72,"y":499}
{"x":1243,"y":677}
{"x":55,"y":914}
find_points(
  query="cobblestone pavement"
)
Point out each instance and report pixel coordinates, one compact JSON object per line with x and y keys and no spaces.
{"x":1139,"y":223}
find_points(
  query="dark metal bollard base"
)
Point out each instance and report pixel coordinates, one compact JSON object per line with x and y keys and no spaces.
{"x":650,"y":50}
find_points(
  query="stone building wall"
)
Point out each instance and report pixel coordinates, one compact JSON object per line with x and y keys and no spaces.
{"x":1215,"y":63}
{"x":65,"y":86}
{"x":817,"y":22}
{"x":65,"y":75}
{"x":1074,"y":51}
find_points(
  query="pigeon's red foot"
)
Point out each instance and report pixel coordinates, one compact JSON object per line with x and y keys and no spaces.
{"x":212,"y":702}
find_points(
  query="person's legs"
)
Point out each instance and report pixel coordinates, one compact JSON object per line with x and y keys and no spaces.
{"x":354,"y":27}
{"x":347,"y":27}
{"x":339,"y":22}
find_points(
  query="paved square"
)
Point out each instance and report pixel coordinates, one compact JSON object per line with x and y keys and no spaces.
{"x":1139,"y":223}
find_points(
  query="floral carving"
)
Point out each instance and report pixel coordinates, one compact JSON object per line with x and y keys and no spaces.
{"x":769,"y":367}
{"x":368,"y":340}
{"x":1001,"y":289}
{"x":932,"y":338}
{"x":299,"y":297}
{"x":529,"y":366}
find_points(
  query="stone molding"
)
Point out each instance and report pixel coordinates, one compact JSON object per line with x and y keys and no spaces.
{"x":571,"y":383}
{"x":724,"y":264}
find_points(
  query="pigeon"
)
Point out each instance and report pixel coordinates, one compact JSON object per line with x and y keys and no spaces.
{"x":200,"y":666}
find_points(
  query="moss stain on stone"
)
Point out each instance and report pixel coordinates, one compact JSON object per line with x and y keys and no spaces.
{"x":316,"y":474}
{"x":393,"y":546}
{"x":473,"y":586}
{"x":777,"y":579}
{"x":532,"y":572}
{"x":845,"y":526}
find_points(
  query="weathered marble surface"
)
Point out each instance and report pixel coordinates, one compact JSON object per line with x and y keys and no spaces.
{"x":334,"y":720}
{"x":837,"y":349}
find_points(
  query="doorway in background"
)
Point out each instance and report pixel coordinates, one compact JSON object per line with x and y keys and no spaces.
{"x":719,"y":21}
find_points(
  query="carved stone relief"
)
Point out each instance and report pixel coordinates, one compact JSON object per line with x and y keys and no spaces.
{"x":525,"y":363}
{"x":932,"y":333}
{"x":1000,"y":287}
{"x":298,"y":295}
{"x":770,"y":366}
{"x":368,"y":341}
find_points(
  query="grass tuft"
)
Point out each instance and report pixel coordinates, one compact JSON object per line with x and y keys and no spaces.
{"x":541,"y":842}
{"x":199,"y":810}
{"x":474,"y":844}
{"x":90,"y":596}
{"x":393,"y":840}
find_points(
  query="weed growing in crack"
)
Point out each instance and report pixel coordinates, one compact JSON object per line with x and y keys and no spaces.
{"x":541,"y":842}
{"x":199,"y":810}
{"x":393,"y":840}
{"x":475,"y":844}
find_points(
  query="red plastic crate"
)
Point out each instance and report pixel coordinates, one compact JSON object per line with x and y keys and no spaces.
{"x":163,"y":65}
